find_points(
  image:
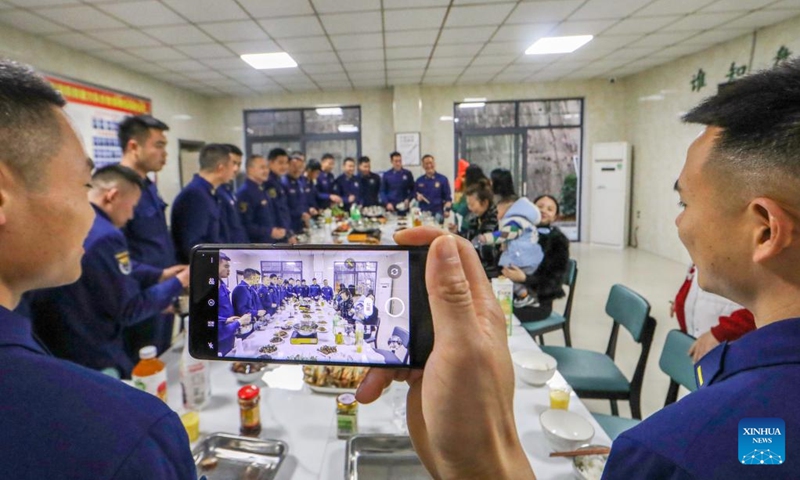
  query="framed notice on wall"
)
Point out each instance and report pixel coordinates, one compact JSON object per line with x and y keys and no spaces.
{"x":408,"y":146}
{"x":96,"y":111}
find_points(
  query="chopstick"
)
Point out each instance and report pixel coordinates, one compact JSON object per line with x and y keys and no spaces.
{"x":585,"y":451}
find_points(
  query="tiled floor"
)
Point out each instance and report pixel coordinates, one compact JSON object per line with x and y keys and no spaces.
{"x":655,"y":278}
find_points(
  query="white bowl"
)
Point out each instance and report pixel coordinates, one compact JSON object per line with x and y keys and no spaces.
{"x":534,"y":367}
{"x":565,"y":430}
{"x":585,"y":472}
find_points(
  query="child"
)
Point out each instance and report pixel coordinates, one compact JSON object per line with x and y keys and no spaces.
{"x":519,"y":240}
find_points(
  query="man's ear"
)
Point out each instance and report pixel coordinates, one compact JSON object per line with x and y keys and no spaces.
{"x":775,"y":228}
{"x":112,"y":195}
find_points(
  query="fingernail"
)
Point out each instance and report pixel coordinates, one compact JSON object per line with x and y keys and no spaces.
{"x":449,"y":248}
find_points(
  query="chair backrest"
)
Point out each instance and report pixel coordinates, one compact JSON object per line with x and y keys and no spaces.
{"x":403,"y":334}
{"x":570,"y":279}
{"x":628,"y":309}
{"x":675,"y":360}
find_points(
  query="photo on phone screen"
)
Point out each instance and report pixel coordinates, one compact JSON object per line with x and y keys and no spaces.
{"x":323,"y":305}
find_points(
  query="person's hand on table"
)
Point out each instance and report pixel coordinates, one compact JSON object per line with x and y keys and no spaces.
{"x":305,"y":216}
{"x":292,"y":240}
{"x":460,"y":408}
{"x":313,"y":211}
{"x":278,"y":233}
{"x":389,"y":207}
{"x":230,"y":320}
{"x":704,"y":344}
{"x":261,"y":313}
{"x":514,"y":274}
{"x":351,"y":199}
{"x":335,"y":199}
{"x":183,"y":277}
{"x":171,"y":272}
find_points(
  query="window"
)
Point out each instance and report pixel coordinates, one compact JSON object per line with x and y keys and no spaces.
{"x":363,"y":275}
{"x":285,"y":270}
{"x":306,"y":130}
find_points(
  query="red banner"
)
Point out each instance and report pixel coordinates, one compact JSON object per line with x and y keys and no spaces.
{"x":90,"y":95}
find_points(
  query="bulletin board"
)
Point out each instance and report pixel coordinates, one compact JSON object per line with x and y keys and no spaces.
{"x":408,"y":146}
{"x":96,"y":112}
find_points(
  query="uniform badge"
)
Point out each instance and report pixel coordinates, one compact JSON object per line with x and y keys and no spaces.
{"x":264,"y":202}
{"x":436,"y":185}
{"x":405,"y":177}
{"x":421,"y":185}
{"x":292,"y":191}
{"x":124,"y":262}
{"x":243,"y":207}
{"x":272,"y":193}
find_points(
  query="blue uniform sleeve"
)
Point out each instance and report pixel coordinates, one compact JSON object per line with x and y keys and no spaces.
{"x":257,"y":231}
{"x":145,"y":274}
{"x":447,"y":196}
{"x":409,"y":185}
{"x":164,"y":454}
{"x":191,"y":222}
{"x":122,"y":297}
{"x":630,"y":459}
{"x":242,"y":301}
{"x":384,"y":190}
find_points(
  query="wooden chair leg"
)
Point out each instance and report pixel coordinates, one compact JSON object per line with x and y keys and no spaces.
{"x":614,"y":408}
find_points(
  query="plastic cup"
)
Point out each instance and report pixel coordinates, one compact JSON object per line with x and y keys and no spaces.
{"x":559,"y":397}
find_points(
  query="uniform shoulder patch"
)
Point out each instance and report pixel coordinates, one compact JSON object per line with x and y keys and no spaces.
{"x":272,"y":193}
{"x":124,"y":262}
{"x":243,"y":207}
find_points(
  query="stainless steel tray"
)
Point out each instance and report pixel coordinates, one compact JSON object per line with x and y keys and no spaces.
{"x":379,"y":457}
{"x":239,"y":457}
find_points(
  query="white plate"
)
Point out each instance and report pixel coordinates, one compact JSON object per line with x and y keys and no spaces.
{"x":332,"y":390}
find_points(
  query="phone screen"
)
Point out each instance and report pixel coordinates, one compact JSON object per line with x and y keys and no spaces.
{"x":311,"y":305}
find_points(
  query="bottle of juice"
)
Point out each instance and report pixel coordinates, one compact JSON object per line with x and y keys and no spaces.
{"x":359,"y":337}
{"x":150,"y":374}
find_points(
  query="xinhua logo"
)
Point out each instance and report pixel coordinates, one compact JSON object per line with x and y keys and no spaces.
{"x":762,"y":441}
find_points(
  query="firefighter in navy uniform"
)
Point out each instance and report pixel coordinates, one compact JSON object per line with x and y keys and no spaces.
{"x":398,"y":185}
{"x":432,"y":190}
{"x":326,"y":194}
{"x":346,"y":184}
{"x":294,"y":185}
{"x":278,"y":166}
{"x":369,"y":184}
{"x":233,"y":230}
{"x":255,"y":207}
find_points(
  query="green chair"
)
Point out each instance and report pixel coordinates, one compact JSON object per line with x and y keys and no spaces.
{"x":677,"y":364}
{"x":555,"y":321}
{"x":595,"y":375}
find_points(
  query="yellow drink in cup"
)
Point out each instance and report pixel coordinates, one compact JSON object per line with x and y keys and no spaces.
{"x":559,"y":397}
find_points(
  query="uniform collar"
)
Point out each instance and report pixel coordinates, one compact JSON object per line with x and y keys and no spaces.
{"x":431,"y":176}
{"x":773,"y":344}
{"x":100,"y":213}
{"x":254,"y":183}
{"x":15,"y":330}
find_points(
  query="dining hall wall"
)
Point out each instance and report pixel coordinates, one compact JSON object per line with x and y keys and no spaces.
{"x":168,"y":101}
{"x":656,"y":99}
{"x":385,"y":111}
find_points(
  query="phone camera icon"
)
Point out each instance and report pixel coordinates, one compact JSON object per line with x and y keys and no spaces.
{"x":394,"y":271}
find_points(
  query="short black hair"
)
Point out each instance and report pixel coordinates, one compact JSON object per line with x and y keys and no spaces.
{"x":249,"y":272}
{"x":327,"y":156}
{"x":30,"y":132}
{"x":303,"y":280}
{"x":349,"y":159}
{"x":138,"y":128}
{"x":473,"y":175}
{"x":273,"y":276}
{"x":313,"y":165}
{"x":363,"y":160}
{"x":759,"y":118}
{"x":426,"y":156}
{"x":394,"y":154}
{"x":104,"y":176}
{"x":234,"y":149}
{"x":297,"y":156}
{"x":313,"y":279}
{"x":251,"y":159}
{"x":298,"y":153}
{"x":481,"y":191}
{"x":223,"y":257}
{"x":502,"y":183}
{"x":213,"y":155}
{"x":275,"y":153}
{"x":558,"y":206}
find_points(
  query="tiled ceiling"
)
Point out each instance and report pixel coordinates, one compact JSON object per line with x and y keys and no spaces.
{"x":346,"y":44}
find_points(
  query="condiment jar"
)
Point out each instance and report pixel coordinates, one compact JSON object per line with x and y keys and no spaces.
{"x":346,"y":416}
{"x":249,"y":411}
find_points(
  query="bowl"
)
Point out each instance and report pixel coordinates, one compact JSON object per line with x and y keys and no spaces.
{"x":565,"y":430}
{"x":534,"y":367}
{"x":589,"y":467}
{"x":248,"y":372}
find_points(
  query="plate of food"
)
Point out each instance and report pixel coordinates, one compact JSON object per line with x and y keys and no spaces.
{"x":276,"y":340}
{"x":306,"y":329}
{"x":332,"y":379}
{"x":268,"y":349}
{"x":589,"y":467}
{"x":322,"y":330}
{"x":327,"y":349}
{"x":282,"y":333}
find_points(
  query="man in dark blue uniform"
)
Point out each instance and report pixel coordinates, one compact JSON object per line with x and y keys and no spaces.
{"x":326,"y":193}
{"x":327,"y":291}
{"x":267,"y":294}
{"x":304,"y":291}
{"x":278,"y":167}
{"x":313,"y":170}
{"x":228,"y":322}
{"x":346,"y":184}
{"x":54,"y":410}
{"x":433,"y":190}
{"x":314,"y":290}
{"x":233,"y":230}
{"x":196,"y":214}
{"x":245,"y":299}
{"x":398,"y":185}
{"x":255,"y":206}
{"x":144,"y":149}
{"x":293,"y":184}
{"x":369,"y":184}
{"x":83,"y":322}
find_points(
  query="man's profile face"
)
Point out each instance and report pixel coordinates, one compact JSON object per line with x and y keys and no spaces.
{"x":152,"y":154}
{"x":235,"y":165}
{"x":349,"y":168}
{"x":327,"y":164}
{"x":229,"y":169}
{"x":124,"y":205}
{"x":259,"y":170}
{"x":224,"y":268}
{"x":397,"y":162}
{"x":363,"y":168}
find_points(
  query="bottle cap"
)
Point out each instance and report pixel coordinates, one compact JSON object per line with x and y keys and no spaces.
{"x":148,"y":352}
{"x":248,"y":392}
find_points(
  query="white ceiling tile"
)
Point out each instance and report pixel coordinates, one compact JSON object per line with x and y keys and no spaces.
{"x":183,"y":65}
{"x":363,"y":76}
{"x":451,"y":36}
{"x":404,"y":72}
{"x":662,"y":39}
{"x":401,"y":4}
{"x":450,"y":61}
{"x":227,"y":63}
{"x":315,"y":57}
{"x":477,"y":70}
{"x":296,"y":88}
{"x":640,"y":25}
{"x":356,"y":67}
{"x":115,"y":56}
{"x":148,"y":68}
{"x":178,"y":34}
{"x":29,"y":22}
{"x":223,"y":82}
{"x":292,"y":27}
{"x":338,"y":6}
{"x":348,"y":23}
{"x":543,"y":12}
{"x":525,"y":67}
{"x":369,"y":84}
{"x":41,"y":3}
{"x":145,"y":13}
{"x":207,"y":10}
{"x":306,"y":44}
{"x":244,"y":73}
{"x":586,"y":27}
{"x":413,"y":18}
{"x":756,"y":20}
{"x":503,"y":48}
{"x":448,"y":80}
{"x":395,"y":64}
{"x":634,"y":53}
{"x":276,"y":8}
{"x":235,"y":31}
{"x":124,"y":38}
{"x":785,"y":5}
{"x":671,"y":7}
{"x":158,"y":53}
{"x":171,"y":77}
{"x":611,"y":41}
{"x":407,"y":52}
{"x":603,"y":9}
{"x":736,"y":5}
{"x":410,"y":38}
{"x":474,"y":15}
{"x":713,"y":37}
{"x":327,"y":68}
{"x":493,"y":60}
{"x":510,"y":77}
{"x":253,"y":46}
{"x":541,"y":59}
{"x":78,"y":41}
{"x":207,"y":50}
{"x":434,"y":71}
{"x":205,"y":75}
{"x":355,"y":42}
{"x":677,"y":51}
{"x":80,"y":17}
{"x":523,"y":34}
{"x":464,"y":50}
{"x":700,"y":21}
{"x":367,"y":54}
{"x":329,"y":77}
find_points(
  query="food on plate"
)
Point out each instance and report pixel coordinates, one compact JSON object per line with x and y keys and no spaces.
{"x":282,"y":333}
{"x":209,"y":463}
{"x":591,"y":466}
{"x":276,"y":339}
{"x":322,"y":329}
{"x":286,"y":326}
{"x":322,"y":322}
{"x":327,"y":349}
{"x":342,"y":227}
{"x":336,"y":377}
{"x":306,"y":328}
{"x":268,"y":349}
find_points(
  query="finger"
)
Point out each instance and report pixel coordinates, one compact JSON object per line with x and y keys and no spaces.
{"x":374,"y":383}
{"x":418,"y":236}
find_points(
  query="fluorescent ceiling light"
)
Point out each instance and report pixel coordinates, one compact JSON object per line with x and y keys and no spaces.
{"x":348,"y":128}
{"x":446,"y":118}
{"x":329,"y":111}
{"x":548,"y":45}
{"x":472,"y":105}
{"x":264,"y":61}
{"x":475,"y":100}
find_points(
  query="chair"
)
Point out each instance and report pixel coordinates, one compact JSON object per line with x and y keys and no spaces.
{"x":555,"y":321}
{"x":675,"y":362}
{"x":390,"y":356}
{"x":595,"y":375}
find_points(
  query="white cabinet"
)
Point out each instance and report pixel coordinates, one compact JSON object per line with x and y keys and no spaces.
{"x":610,"y":198}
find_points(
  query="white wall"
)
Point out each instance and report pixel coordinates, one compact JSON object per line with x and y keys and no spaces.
{"x":660,"y":139}
{"x":168,"y":100}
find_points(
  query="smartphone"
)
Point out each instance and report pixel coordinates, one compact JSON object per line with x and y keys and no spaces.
{"x":310,"y":304}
